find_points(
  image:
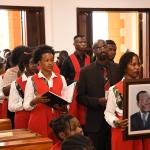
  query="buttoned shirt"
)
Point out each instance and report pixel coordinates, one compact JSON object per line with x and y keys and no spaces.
{"x":29,"y":90}
{"x":15,"y":102}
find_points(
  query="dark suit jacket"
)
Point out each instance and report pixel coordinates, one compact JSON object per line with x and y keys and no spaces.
{"x":90,"y":89}
{"x":137,"y":122}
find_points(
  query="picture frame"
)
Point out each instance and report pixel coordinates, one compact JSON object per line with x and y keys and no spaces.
{"x":136,"y":104}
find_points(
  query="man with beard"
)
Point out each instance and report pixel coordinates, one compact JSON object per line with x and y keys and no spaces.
{"x":93,"y":81}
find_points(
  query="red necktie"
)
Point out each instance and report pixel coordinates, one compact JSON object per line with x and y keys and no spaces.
{"x":107,"y":82}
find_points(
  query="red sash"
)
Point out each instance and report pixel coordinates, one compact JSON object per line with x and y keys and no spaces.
{"x":21,"y":83}
{"x":42,"y":114}
{"x":21,"y":117}
{"x":76,"y":109}
{"x":76,"y":65}
{"x":3,"y":106}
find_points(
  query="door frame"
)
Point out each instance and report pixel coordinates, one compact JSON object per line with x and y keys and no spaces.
{"x":146,"y":70}
{"x":28,"y":8}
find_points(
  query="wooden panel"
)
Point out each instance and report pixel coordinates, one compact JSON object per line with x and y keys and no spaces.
{"x":23,"y":139}
{"x":35,"y":27}
{"x":41,"y":143}
{"x":5,"y":124}
{"x":16,"y":134}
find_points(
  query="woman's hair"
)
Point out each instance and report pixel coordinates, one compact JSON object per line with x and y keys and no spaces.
{"x":16,"y":54}
{"x":125,"y":59}
{"x":25,"y":59}
{"x":60,"y":124}
{"x":40,"y":50}
{"x":77,"y":142}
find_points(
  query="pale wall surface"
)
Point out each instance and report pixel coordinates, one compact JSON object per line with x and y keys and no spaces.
{"x":60,"y":16}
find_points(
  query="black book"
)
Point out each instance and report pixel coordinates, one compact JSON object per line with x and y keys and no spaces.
{"x":66,"y":98}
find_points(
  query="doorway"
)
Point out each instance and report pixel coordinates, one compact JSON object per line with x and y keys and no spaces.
{"x":21,"y":26}
{"x":129,"y":28}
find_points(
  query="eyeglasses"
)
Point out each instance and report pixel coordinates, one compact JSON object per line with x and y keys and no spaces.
{"x":100,"y":48}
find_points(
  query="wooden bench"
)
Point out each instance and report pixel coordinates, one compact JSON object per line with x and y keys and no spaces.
{"x":17,"y":134}
{"x":23,"y":139}
{"x":5,"y":124}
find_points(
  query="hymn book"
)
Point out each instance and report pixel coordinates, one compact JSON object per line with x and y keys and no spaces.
{"x":66,"y":98}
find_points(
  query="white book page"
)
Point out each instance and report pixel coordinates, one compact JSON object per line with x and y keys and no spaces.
{"x":68,"y":92}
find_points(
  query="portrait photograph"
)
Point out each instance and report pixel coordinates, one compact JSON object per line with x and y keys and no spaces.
{"x":137,"y":108}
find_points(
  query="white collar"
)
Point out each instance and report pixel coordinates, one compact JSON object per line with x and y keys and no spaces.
{"x":24,"y":77}
{"x":41,"y":75}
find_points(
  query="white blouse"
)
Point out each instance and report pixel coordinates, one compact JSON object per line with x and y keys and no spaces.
{"x":112,"y":109}
{"x":29,"y":90}
{"x":15,"y":102}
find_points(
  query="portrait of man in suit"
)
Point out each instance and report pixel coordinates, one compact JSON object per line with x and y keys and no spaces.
{"x":141,"y":120}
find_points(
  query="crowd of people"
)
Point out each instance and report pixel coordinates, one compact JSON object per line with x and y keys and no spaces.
{"x":94,"y":120}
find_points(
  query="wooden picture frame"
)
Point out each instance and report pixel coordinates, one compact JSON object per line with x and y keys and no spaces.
{"x":137,"y":128}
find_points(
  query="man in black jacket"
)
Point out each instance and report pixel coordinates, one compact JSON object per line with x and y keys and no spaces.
{"x":91,"y":94}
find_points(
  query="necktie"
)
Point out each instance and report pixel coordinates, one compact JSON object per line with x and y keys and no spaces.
{"x":106,"y":81}
{"x":144,"y":119}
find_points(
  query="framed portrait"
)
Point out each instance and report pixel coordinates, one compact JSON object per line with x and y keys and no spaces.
{"x":136,"y":108}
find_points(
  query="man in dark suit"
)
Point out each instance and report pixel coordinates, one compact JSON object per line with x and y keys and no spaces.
{"x":91,"y":94}
{"x":141,"y":120}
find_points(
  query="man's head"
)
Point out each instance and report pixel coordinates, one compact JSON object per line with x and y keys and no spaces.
{"x":143,"y":101}
{"x":80,"y":43}
{"x":100,"y":50}
{"x":65,"y":125}
{"x":111,"y":46}
{"x":77,"y":142}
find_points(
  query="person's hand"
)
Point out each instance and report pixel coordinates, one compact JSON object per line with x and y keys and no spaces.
{"x":102,"y":101}
{"x":39,"y":99}
{"x":121,"y":124}
{"x":63,"y":108}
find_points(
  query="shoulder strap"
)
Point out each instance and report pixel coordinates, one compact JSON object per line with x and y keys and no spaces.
{"x":76,"y":66}
{"x":20,"y":86}
{"x":39,"y":84}
{"x":118,"y":92}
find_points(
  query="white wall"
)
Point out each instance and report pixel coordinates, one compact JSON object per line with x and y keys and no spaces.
{"x":60,"y":16}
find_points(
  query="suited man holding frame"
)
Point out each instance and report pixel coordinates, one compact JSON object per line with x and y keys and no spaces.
{"x":141,"y":120}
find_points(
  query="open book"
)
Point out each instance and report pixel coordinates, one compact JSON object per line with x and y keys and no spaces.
{"x":66,"y":98}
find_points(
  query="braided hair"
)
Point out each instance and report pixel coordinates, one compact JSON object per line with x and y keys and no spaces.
{"x":77,"y":142}
{"x":60,"y":124}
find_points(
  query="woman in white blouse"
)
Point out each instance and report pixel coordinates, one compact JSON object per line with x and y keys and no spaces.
{"x":130,"y":69}
{"x":46,"y":80}
{"x":16,"y":96}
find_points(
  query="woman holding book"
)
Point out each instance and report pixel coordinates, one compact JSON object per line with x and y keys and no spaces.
{"x":130,"y":69}
{"x":46,"y":80}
